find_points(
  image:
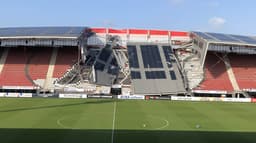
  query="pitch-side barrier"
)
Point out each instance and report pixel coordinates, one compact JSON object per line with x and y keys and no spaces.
{"x":138,"y":97}
{"x":218,"y":99}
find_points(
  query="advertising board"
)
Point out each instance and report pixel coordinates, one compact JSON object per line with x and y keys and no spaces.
{"x":139,"y":97}
{"x":25,"y":95}
{"x":180,"y":98}
{"x":72,"y":95}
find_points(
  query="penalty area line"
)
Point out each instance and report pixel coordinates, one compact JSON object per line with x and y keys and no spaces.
{"x":113,"y":123}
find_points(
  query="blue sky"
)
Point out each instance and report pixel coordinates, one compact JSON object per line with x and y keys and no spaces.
{"x":225,"y":16}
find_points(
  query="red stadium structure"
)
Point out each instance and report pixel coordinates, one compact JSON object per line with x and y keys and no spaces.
{"x":36,"y":61}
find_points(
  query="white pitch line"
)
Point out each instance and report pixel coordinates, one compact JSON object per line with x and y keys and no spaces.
{"x":60,"y":123}
{"x":113,"y":123}
{"x":166,"y":124}
{"x":163,"y":119}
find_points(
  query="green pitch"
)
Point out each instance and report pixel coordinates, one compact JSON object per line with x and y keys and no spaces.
{"x":44,"y":120}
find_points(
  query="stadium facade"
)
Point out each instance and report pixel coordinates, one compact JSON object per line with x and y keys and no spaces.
{"x":35,"y":61}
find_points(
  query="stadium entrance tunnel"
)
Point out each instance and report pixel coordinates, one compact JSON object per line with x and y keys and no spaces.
{"x":16,"y":135}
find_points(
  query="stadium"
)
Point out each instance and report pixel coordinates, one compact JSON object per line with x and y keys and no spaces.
{"x":71,"y":61}
{"x":43,"y":68}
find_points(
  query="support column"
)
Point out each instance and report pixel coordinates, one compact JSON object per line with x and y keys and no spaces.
{"x":230,"y":72}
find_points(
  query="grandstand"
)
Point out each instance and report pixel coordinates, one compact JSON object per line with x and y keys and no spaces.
{"x":226,"y":59}
{"x":59,"y":60}
{"x":244,"y":70}
{"x":215,"y":73}
{"x":32,"y":58}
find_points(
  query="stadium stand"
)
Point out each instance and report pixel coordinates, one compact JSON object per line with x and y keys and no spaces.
{"x":23,"y":65}
{"x":66,"y":57}
{"x":28,"y":59}
{"x":13,"y":73}
{"x":196,"y":62}
{"x":215,"y":73}
{"x":3,"y":55}
{"x":244,"y":69}
{"x":39,"y":62}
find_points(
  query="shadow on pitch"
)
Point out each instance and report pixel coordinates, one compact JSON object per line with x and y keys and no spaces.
{"x":85,"y":102}
{"x":122,"y":136}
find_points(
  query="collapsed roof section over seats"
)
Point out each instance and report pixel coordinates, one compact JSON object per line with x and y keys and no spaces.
{"x":154,"y":70}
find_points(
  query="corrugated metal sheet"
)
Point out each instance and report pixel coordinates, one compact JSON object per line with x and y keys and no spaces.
{"x":42,"y":31}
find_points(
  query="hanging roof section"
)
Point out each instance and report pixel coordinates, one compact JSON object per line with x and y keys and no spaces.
{"x":154,"y":69}
{"x":42,"y":32}
{"x":226,"y":38}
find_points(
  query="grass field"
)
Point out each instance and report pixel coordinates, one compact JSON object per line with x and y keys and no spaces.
{"x":44,"y":120}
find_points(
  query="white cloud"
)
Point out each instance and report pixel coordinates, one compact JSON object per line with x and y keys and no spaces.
{"x":217,"y":22}
{"x":176,"y":2}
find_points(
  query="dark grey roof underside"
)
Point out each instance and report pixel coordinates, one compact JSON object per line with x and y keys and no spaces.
{"x":151,"y":67}
{"x":42,"y":31}
{"x":219,"y":37}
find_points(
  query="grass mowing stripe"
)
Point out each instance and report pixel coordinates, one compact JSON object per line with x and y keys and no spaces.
{"x":113,"y":123}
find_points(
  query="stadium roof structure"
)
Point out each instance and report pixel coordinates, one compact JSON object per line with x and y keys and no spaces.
{"x":154,"y":69}
{"x":41,"y":32}
{"x":226,"y":38}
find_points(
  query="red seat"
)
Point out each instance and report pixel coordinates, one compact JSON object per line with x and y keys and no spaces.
{"x":13,"y":73}
{"x":39,"y":62}
{"x":244,"y":68}
{"x":35,"y":60}
{"x":216,"y":77}
{"x":65,"y":59}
